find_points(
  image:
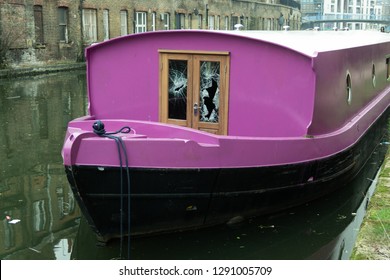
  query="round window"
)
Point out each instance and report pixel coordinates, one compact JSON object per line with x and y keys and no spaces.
{"x":349,"y":89}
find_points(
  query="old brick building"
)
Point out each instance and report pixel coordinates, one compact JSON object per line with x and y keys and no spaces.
{"x":40,"y":31}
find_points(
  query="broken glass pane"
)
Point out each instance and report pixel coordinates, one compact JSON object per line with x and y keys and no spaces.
{"x":209,"y":91}
{"x":177,"y":89}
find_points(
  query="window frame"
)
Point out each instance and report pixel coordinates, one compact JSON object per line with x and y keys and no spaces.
{"x":200,"y":21}
{"x":38,"y":24}
{"x":106,"y":24}
{"x":165,"y":17}
{"x":348,"y":82}
{"x":63,"y":25}
{"x":227,"y":25}
{"x":211,"y":22}
{"x":89,"y":25}
{"x":154,"y":22}
{"x":124,"y":22}
{"x":193,"y":59}
{"x":140,"y":22}
{"x":388,"y":68}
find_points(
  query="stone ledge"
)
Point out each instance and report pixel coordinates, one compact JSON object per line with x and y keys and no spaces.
{"x":39,"y":70}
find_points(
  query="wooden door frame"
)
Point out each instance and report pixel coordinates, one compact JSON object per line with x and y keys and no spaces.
{"x":193,"y":88}
{"x":163,"y":94}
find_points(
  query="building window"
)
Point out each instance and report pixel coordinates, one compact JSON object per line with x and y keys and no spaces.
{"x":165,"y":19}
{"x":217,"y":20}
{"x":140,"y":22}
{"x":106,"y":24}
{"x":211,"y":22}
{"x":124,"y":23}
{"x":89,"y":25}
{"x":190,"y":21}
{"x":38,"y":22}
{"x":262,"y":23}
{"x":235,"y":20}
{"x":153,"y":21}
{"x":180,"y":21}
{"x":63,"y":23}
{"x":200,"y":19}
{"x":226,"y":23}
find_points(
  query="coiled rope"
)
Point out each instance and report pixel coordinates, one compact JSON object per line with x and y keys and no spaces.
{"x":98,"y":128}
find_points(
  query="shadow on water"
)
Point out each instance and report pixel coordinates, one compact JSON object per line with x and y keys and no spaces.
{"x":41,"y":220}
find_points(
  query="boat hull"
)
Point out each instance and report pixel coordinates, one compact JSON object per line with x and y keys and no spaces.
{"x":172,"y":199}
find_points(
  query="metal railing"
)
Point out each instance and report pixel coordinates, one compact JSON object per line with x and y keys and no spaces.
{"x":346,"y":17}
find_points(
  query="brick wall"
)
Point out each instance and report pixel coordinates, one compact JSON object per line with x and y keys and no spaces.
{"x":66,"y":40}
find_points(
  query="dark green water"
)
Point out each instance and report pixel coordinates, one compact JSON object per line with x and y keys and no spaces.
{"x":41,"y":220}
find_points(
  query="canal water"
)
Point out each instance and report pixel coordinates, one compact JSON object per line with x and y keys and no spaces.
{"x":41,"y":220}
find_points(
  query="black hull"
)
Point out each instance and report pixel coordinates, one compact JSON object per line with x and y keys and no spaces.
{"x":164,"y":200}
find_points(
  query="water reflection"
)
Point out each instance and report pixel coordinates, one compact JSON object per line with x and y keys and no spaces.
{"x":41,"y":220}
{"x":37,"y":207}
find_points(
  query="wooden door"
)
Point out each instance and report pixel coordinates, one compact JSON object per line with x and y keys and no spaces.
{"x":194,"y":90}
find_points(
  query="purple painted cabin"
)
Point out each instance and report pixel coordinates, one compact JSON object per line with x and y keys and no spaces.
{"x":274,"y":77}
{"x":275,"y":118}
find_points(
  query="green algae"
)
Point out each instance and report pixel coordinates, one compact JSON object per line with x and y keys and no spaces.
{"x":373,"y":241}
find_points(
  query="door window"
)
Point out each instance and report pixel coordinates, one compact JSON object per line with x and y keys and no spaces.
{"x":177,"y":89}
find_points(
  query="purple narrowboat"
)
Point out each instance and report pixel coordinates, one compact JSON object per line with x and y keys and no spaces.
{"x":194,"y":128}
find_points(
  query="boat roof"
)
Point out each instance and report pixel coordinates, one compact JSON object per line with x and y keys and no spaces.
{"x":308,"y":42}
{"x":312,"y":42}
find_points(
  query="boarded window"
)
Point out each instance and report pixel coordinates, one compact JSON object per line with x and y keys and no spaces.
{"x":124,"y":23}
{"x":13,"y":26}
{"x":38,"y":21}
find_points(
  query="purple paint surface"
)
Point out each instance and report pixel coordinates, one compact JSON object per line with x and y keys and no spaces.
{"x":287,"y":103}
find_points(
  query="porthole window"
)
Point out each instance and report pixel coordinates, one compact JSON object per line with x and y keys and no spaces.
{"x":349,"y":88}
{"x":373,"y":76}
